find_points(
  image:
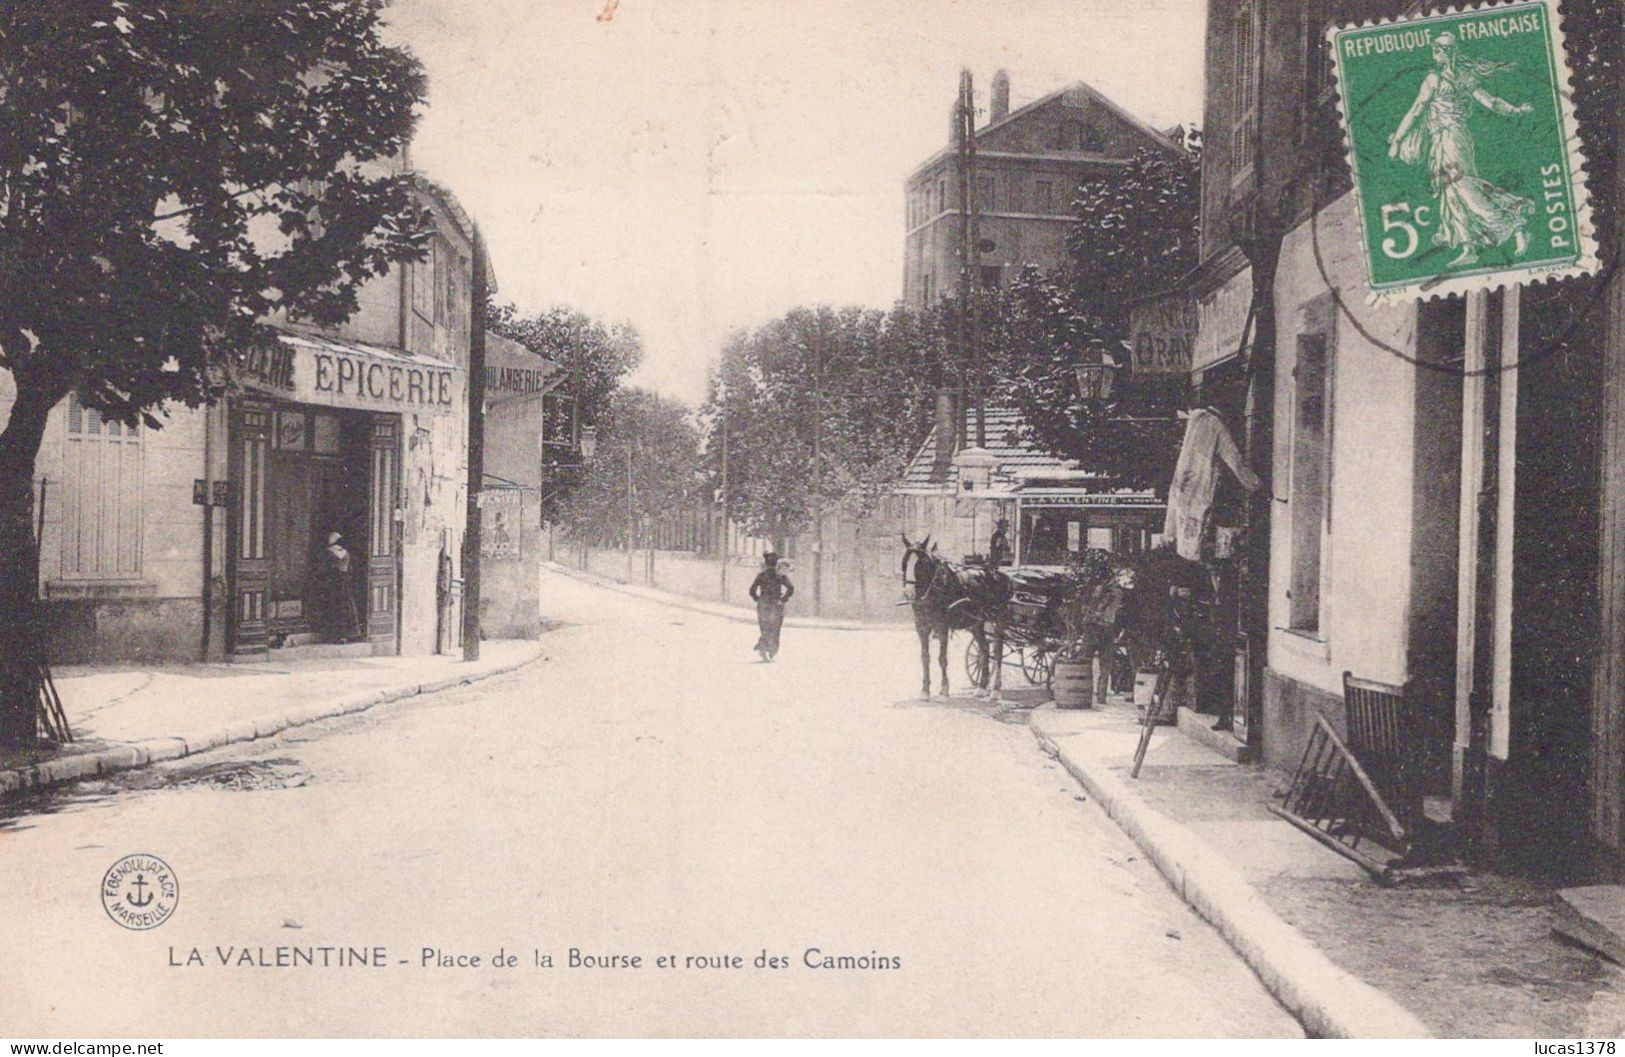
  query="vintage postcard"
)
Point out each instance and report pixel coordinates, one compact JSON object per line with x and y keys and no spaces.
{"x":759,"y":519}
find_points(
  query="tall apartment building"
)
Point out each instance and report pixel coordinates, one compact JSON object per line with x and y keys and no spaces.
{"x":1029,"y":163}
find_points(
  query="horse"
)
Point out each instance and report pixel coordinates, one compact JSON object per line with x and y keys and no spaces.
{"x":949,"y":598}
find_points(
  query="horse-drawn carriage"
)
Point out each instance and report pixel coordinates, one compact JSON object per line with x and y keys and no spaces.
{"x":1035,"y":627}
{"x":1025,"y":618}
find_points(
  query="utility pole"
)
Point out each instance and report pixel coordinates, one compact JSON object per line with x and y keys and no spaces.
{"x":725,"y":548}
{"x":476,"y":452}
{"x":629,"y":522}
{"x":970,"y":260}
{"x":818,"y":466}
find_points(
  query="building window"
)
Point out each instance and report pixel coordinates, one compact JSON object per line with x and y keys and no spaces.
{"x":422,"y":277}
{"x":1244,"y":108}
{"x":1311,"y":402}
{"x":930,"y":287}
{"x":990,"y":276}
{"x":444,"y":280}
{"x":1043,"y":196}
{"x":101,"y":518}
{"x":942,"y":195}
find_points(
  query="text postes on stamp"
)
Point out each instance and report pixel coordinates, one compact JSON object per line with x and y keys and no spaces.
{"x":1465,"y":151}
{"x":140,"y":891}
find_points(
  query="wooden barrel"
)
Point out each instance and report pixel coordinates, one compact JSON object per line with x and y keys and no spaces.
{"x":1074,"y":684}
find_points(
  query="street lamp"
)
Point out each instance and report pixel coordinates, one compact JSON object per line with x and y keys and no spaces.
{"x":1097,"y":379}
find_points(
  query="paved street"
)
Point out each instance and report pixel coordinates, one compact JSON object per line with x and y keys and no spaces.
{"x":649,"y":790}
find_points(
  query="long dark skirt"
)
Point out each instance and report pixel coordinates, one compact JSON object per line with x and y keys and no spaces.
{"x":770,"y":618}
{"x":339,"y":620}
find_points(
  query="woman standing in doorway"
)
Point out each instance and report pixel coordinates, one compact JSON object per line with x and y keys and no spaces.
{"x":338,"y":612}
{"x":770,"y":591}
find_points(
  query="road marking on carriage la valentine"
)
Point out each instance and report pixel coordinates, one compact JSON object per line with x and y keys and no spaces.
{"x":1465,"y":152}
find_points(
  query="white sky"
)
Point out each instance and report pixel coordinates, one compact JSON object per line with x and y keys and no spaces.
{"x":694,"y":166}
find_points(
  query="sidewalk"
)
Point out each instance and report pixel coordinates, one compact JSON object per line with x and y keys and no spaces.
{"x":1469,"y":957}
{"x":717,"y":609}
{"x":125,"y":717}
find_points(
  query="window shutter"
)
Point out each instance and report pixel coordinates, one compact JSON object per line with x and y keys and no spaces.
{"x":1245,"y":111}
{"x":102,"y":508}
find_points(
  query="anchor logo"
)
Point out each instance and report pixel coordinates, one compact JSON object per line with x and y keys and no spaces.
{"x":140,"y":891}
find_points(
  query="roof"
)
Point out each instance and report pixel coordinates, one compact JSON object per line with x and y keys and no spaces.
{"x":322,"y":341}
{"x":1156,"y":137}
{"x":930,"y":471}
{"x":465,"y":223}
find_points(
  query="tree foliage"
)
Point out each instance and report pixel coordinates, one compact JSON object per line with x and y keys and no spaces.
{"x":596,"y":358}
{"x":172,"y":175}
{"x":1039,"y":334}
{"x":664,"y":468}
{"x":822,"y":407}
{"x":1134,"y":235}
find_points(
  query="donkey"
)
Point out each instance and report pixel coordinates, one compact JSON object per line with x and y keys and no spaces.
{"x":949,"y":598}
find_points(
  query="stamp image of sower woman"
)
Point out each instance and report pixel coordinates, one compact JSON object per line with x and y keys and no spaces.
{"x":1473,"y":213}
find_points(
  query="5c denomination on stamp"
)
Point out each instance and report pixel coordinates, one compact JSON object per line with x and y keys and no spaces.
{"x":140,"y":891}
{"x":1464,"y":148}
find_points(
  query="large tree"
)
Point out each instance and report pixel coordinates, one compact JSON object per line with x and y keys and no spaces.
{"x":172,"y":174}
{"x":645,"y":466}
{"x":1134,"y":235}
{"x":1038,"y":334}
{"x":596,"y":358}
{"x":822,"y":408}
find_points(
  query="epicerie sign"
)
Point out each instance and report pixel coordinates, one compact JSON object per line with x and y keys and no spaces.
{"x":321,"y":374}
{"x":341,"y":375}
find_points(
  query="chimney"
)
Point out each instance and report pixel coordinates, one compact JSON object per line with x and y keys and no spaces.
{"x":1001,"y":96}
{"x":947,"y":439}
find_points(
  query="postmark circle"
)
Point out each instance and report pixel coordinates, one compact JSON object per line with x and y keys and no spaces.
{"x":140,"y":891}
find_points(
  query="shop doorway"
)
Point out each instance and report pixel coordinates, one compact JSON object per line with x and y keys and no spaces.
{"x":317,"y":486}
{"x":302,"y":474}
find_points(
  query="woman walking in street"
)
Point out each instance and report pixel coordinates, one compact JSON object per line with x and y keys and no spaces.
{"x":770,"y":591}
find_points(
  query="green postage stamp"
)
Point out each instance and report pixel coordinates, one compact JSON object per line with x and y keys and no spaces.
{"x":1466,"y":159}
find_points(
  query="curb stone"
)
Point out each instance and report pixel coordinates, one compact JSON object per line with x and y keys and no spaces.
{"x":1330,"y":1002}
{"x":128,"y":756}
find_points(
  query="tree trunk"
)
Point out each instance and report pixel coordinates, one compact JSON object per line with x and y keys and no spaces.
{"x":21,"y":637}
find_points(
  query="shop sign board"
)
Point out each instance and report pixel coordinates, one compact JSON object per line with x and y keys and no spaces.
{"x":503,"y":510}
{"x":1164,"y":331}
{"x":1090,"y":500}
{"x":331,"y":374}
{"x":511,"y":370}
{"x":1222,"y":317}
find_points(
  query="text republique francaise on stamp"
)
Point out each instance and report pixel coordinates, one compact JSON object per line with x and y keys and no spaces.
{"x":1465,"y":151}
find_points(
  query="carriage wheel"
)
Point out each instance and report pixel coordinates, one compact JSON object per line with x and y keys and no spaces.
{"x":976,"y":663}
{"x":1038,"y":665}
